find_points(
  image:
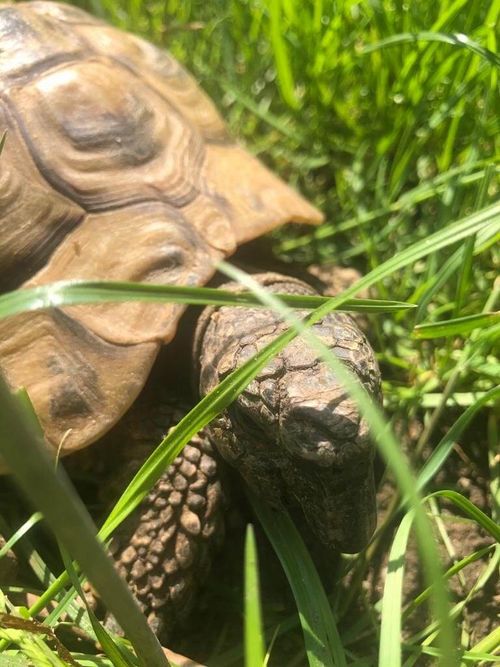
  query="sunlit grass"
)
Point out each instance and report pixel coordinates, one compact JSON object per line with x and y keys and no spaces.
{"x":385,"y":114}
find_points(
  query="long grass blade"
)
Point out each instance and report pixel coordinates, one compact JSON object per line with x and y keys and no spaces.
{"x":26,"y":455}
{"x":444,"y":448}
{"x":459,"y":40}
{"x":20,"y":532}
{"x":71,"y":293}
{"x":469,"y":508}
{"x":322,"y":641}
{"x":487,"y":645}
{"x":390,"y":629}
{"x":254,"y":638}
{"x":454,"y":569}
{"x":459,"y":326}
{"x":111,"y":649}
{"x":283,"y":66}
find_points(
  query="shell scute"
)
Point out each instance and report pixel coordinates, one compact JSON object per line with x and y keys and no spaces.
{"x":31,"y":42}
{"x":117,"y":166}
{"x":105,"y":139}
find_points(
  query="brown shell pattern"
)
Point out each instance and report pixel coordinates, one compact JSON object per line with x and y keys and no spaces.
{"x":116,"y":166}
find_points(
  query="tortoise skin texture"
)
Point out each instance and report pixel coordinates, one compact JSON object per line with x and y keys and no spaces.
{"x":294,"y":434}
{"x":116,"y":166}
{"x":164,"y":550}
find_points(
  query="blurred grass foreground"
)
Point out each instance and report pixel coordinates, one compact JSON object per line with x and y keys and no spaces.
{"x":385,"y":114}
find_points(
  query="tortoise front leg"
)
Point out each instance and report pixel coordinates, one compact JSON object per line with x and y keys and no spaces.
{"x":164,"y":549}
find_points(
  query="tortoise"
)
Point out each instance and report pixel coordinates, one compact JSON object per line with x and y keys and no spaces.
{"x":117,"y":166}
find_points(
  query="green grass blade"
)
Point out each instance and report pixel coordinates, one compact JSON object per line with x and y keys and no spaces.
{"x":260,"y":111}
{"x":111,"y":649}
{"x":454,"y":569}
{"x":42,"y":572}
{"x":465,"y":275}
{"x":444,"y":448}
{"x":429,"y":633}
{"x":197,"y":418}
{"x":489,"y":644}
{"x":456,"y":262}
{"x":70,"y":293}
{"x":486,"y":220}
{"x":468,"y":226}
{"x":283,"y":67}
{"x":26,"y":455}
{"x":467,"y":657}
{"x":459,"y":40}
{"x":437,"y":282}
{"x":390,"y":629}
{"x":32,"y":644}
{"x":254,"y":638}
{"x":459,"y":326}
{"x":91,"y":660}
{"x":407,"y":200}
{"x":20,"y":532}
{"x":469,"y":508}
{"x":322,"y":641}
{"x":66,"y":604}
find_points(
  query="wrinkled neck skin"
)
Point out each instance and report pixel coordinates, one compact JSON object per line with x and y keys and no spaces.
{"x":294,"y":434}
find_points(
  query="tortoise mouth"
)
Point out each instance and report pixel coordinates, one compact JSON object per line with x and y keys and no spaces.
{"x":338,"y":500}
{"x":352,"y":522}
{"x":342,"y":515}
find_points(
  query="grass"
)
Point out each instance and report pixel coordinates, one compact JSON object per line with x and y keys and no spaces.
{"x":384,"y":114}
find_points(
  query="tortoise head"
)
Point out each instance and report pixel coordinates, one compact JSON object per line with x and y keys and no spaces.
{"x":294,"y":433}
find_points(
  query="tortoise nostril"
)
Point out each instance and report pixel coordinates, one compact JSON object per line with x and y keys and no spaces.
{"x":339,"y":420}
{"x":308,"y":441}
{"x":325,"y":436}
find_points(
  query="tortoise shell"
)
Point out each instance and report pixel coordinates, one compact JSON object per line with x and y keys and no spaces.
{"x":116,"y":166}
